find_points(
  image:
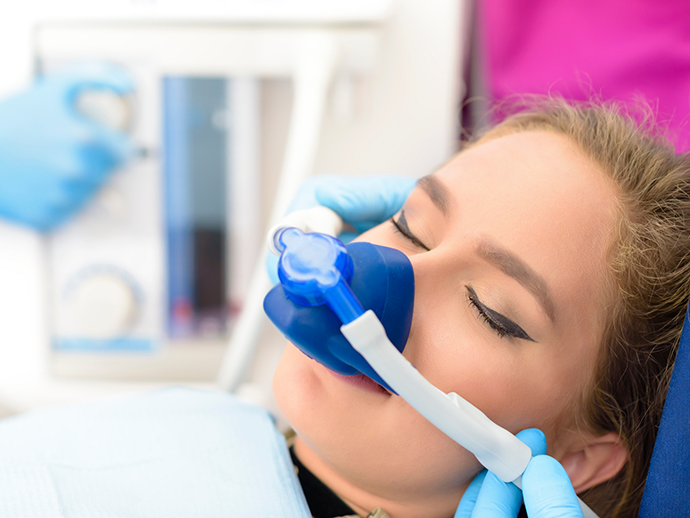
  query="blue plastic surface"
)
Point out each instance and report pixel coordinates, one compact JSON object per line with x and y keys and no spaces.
{"x":382,"y":280}
{"x":315,"y":269}
{"x":667,"y":491}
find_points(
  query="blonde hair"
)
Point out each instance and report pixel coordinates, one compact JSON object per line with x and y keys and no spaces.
{"x":650,"y":266}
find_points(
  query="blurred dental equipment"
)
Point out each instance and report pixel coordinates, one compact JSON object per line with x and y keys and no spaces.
{"x":317,"y":270}
{"x":142,"y":282}
{"x":305,"y":84}
{"x":148,"y":284}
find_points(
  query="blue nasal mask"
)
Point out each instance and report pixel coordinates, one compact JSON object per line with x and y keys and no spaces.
{"x":323,"y":283}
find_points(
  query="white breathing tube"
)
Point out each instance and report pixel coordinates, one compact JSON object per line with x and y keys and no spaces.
{"x":496,"y":448}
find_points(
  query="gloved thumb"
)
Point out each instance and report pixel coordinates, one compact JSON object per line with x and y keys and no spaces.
{"x":90,"y":75}
{"x":370,"y":200}
{"x":556,"y":497}
{"x":535,"y":439}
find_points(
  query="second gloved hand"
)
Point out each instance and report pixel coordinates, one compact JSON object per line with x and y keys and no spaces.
{"x":52,"y":158}
{"x":362,"y":202}
{"x":546,"y":489}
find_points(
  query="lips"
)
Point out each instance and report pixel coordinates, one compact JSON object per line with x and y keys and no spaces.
{"x":361,"y":381}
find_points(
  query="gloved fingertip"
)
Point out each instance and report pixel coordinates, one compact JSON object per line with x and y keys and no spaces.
{"x":469,"y":498}
{"x":400,"y":188}
{"x":535,"y":439}
{"x":350,"y":206}
{"x":50,"y":218}
{"x":405,"y":185}
{"x":108,"y":148}
{"x":553,"y":491}
{"x":347,"y":196}
{"x":326,"y":196}
{"x":545,"y":467}
{"x":497,"y":499}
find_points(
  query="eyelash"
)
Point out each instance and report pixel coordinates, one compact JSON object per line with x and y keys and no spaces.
{"x":511,"y":329}
{"x":412,"y":239}
{"x":498,"y":328}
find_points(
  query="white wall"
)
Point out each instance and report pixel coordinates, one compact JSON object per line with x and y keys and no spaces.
{"x":405,"y":113}
{"x":22,"y":309}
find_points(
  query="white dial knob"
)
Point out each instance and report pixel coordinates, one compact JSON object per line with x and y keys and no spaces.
{"x":102,"y":305}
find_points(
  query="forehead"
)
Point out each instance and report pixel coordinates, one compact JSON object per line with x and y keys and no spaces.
{"x":534,"y":174}
{"x":530,"y":157}
{"x":538,"y":195}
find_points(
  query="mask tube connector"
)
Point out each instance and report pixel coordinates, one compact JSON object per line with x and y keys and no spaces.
{"x":315,"y":269}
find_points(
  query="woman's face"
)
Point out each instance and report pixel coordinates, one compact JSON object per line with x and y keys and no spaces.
{"x":509,"y":245}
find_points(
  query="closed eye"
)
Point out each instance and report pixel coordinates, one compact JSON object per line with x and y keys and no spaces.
{"x":501,"y":325}
{"x":403,"y":228}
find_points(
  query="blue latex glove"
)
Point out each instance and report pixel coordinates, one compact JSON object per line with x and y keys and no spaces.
{"x":362,"y":202}
{"x":546,"y":489}
{"x":52,"y":158}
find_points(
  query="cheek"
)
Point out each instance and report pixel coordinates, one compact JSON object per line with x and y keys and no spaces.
{"x":386,"y":446}
{"x":514,"y":392}
{"x":516,"y":384}
{"x":292,"y":383}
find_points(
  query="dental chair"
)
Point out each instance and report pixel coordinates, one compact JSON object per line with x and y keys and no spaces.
{"x":667,"y":491}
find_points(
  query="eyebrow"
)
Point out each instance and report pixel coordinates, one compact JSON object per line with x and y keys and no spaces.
{"x":437,"y":192}
{"x":513,"y":266}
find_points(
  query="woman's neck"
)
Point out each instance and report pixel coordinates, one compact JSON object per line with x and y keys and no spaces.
{"x":363,"y":501}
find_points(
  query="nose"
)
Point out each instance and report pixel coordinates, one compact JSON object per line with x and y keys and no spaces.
{"x":433,"y":286}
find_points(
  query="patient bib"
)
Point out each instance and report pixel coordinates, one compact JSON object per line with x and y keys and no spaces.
{"x":165,"y":454}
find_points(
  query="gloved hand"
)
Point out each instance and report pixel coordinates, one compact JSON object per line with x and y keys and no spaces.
{"x":52,"y":158}
{"x":362,"y":202}
{"x":546,"y":489}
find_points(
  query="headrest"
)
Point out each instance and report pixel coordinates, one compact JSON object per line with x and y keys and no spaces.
{"x":667,"y":491}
